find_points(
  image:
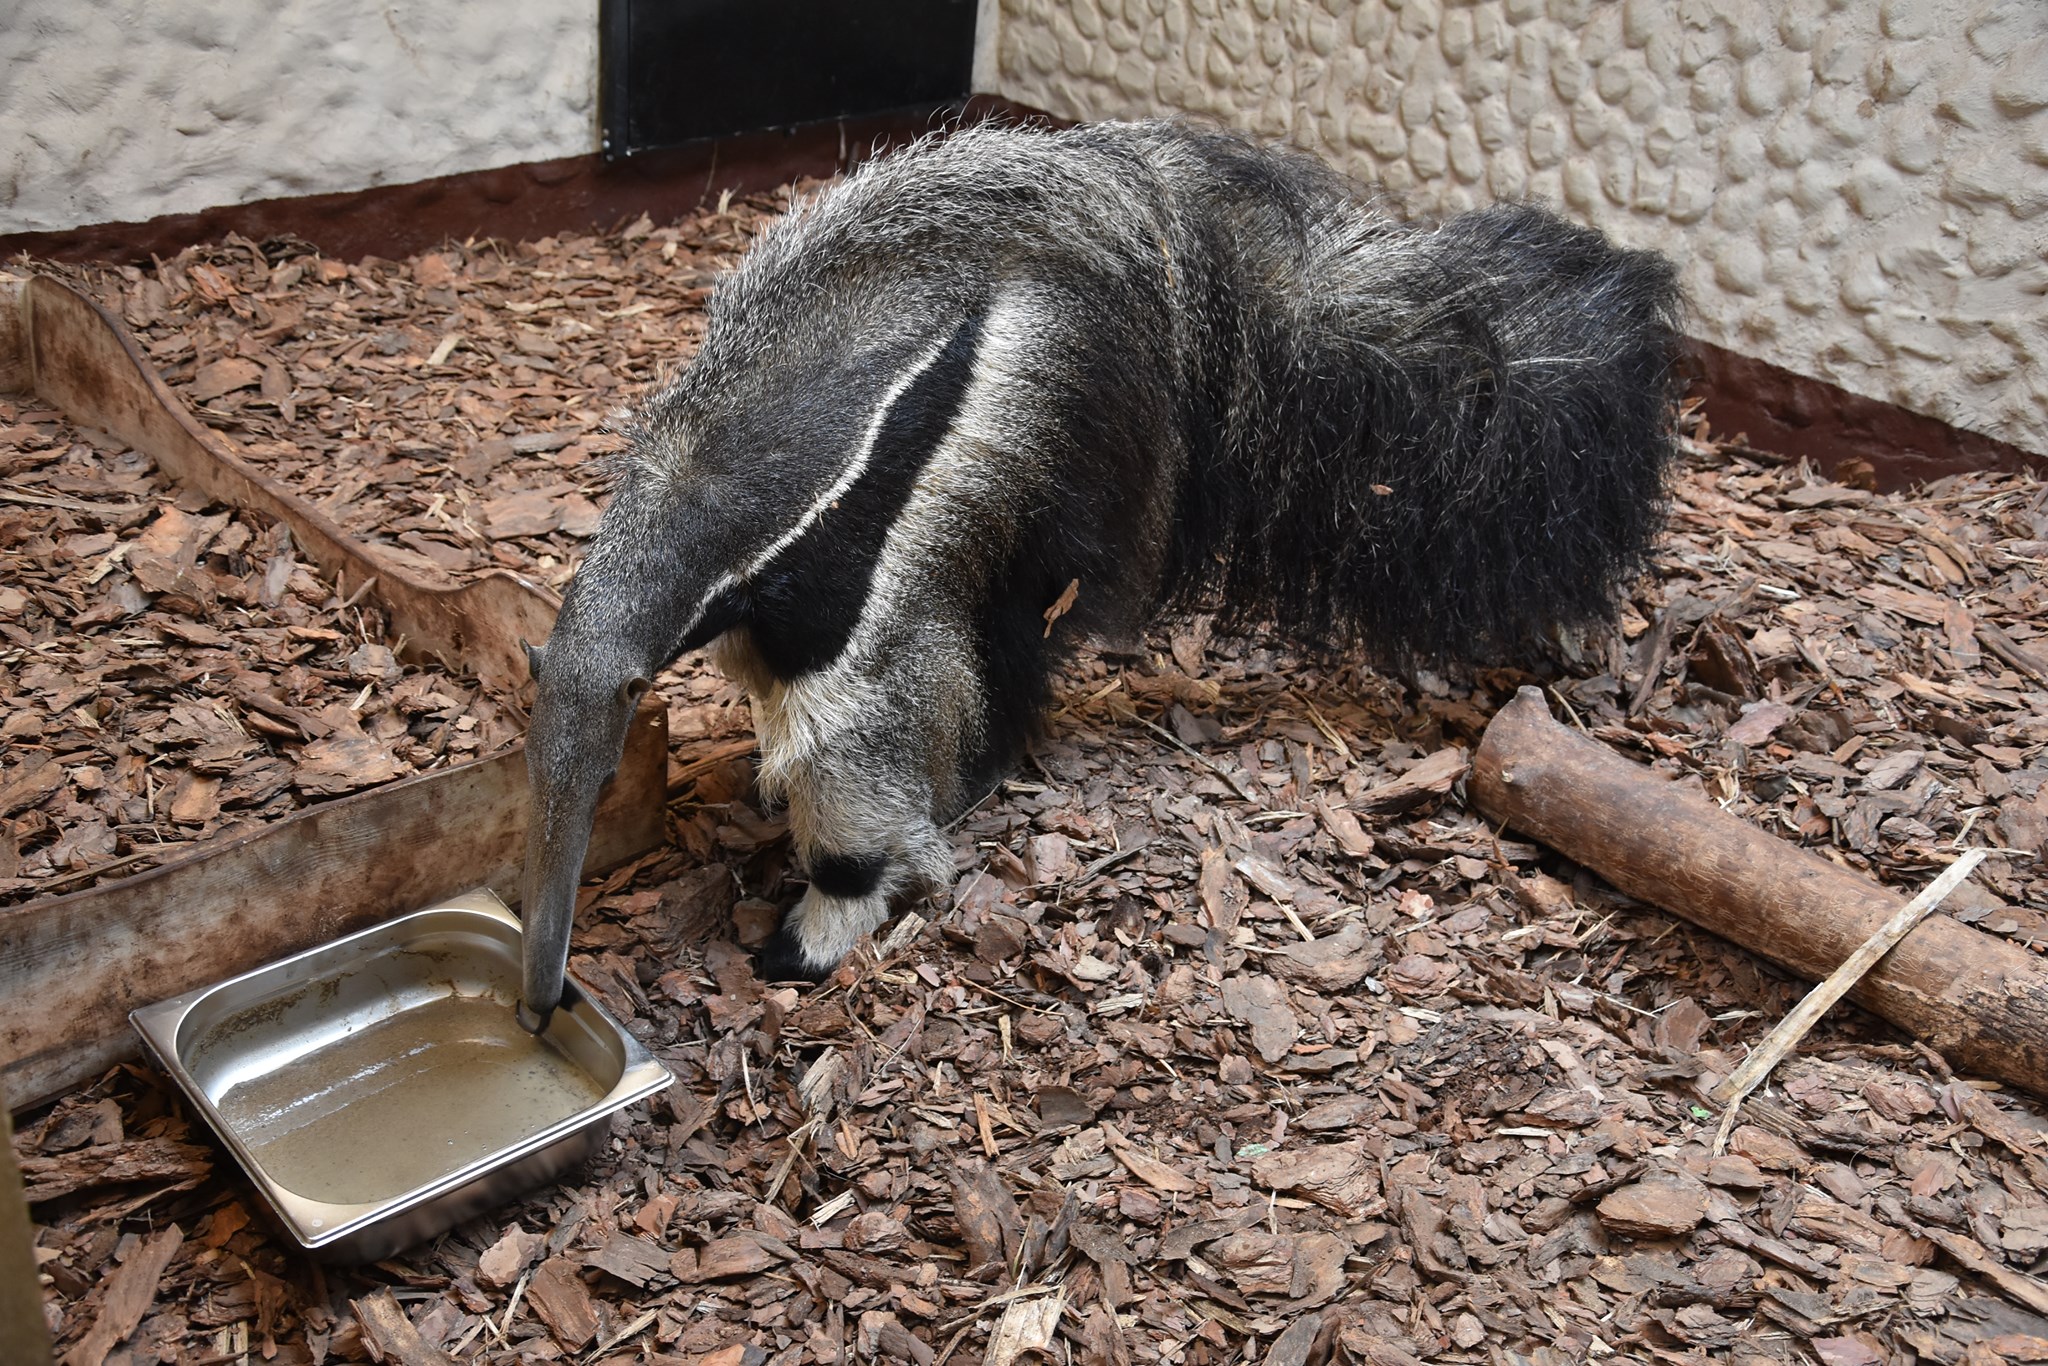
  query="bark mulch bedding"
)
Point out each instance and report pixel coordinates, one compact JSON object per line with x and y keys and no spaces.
{"x":173,"y":673}
{"x":1239,"y":1037}
{"x":444,"y":409}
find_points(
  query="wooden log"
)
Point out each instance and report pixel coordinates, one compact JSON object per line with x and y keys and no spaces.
{"x":1980,"y":1001}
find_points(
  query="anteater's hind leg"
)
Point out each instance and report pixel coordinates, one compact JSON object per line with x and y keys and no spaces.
{"x":863,"y":756}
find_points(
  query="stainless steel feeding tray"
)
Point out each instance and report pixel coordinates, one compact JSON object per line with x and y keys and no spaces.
{"x":377,"y":1090}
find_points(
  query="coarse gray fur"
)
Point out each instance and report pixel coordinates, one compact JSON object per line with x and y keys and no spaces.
{"x":1159,"y":361}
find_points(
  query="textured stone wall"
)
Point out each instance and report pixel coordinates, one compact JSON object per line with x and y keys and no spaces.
{"x":1856,"y":190}
{"x":120,"y":110}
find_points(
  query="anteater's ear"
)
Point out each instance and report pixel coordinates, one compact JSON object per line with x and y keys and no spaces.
{"x":534,"y":654}
{"x":632,"y":690}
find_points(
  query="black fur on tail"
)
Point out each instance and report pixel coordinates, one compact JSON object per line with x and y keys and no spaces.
{"x":1443,"y":443}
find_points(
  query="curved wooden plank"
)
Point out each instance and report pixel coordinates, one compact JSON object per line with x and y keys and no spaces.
{"x":86,"y":364}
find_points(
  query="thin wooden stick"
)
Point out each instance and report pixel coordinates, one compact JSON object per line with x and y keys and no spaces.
{"x":1838,"y":983}
{"x":52,"y":500}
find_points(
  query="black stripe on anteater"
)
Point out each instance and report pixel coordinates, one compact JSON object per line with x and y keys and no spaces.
{"x":807,"y":600}
{"x":848,"y":874}
{"x":727,"y":609}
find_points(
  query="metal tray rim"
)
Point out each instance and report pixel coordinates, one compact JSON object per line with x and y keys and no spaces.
{"x":315,"y":1223}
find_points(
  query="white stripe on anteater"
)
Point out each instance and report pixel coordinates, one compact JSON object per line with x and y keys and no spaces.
{"x":863,"y":454}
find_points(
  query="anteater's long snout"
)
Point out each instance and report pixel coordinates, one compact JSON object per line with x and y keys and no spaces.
{"x":556,"y":840}
{"x":572,"y":749}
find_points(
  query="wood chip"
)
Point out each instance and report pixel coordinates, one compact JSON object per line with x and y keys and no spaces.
{"x":638,"y":1261}
{"x":1261,"y":1003}
{"x":987,"y":1214}
{"x":130,"y":1291}
{"x":557,"y":1294}
{"x":224,"y":376}
{"x":725,"y":1258}
{"x":1432,"y":777}
{"x":1027,"y":1325}
{"x":1338,"y":1176}
{"x":1660,"y":1207}
{"x":1151,"y":1170}
{"x":505,"y":1259}
{"x":392,"y":1336}
{"x":138,"y":1160}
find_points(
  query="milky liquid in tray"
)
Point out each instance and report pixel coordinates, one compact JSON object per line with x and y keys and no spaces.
{"x":405,"y":1101}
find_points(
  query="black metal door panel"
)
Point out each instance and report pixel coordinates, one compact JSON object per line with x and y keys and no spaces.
{"x":674,"y":70}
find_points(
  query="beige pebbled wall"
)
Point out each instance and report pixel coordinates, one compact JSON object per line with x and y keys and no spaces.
{"x":1856,"y":190}
{"x":121,"y":110}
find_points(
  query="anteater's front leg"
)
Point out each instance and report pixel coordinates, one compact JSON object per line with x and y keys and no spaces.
{"x":854,"y":758}
{"x":866,"y":838}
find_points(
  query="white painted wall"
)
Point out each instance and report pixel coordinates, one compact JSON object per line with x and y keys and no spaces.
{"x":1856,"y":190}
{"x":120,"y":110}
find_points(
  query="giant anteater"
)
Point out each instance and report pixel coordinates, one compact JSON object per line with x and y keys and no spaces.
{"x":1175,"y":366}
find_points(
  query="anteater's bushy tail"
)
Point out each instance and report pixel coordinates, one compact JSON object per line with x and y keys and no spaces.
{"x":1458,"y":437}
